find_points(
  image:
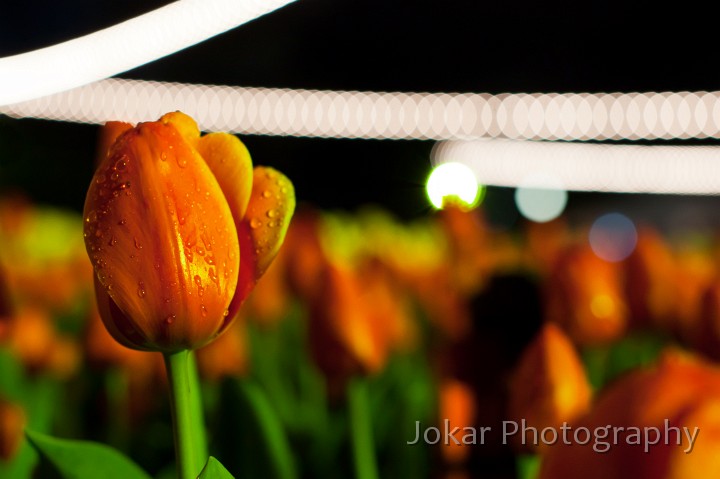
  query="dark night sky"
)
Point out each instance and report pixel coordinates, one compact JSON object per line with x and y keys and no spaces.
{"x":450,"y":46}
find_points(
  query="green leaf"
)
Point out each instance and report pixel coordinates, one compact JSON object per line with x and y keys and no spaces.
{"x":12,"y":382}
{"x":252,"y":440}
{"x":83,"y":459}
{"x":214,"y":470}
{"x":528,"y":466}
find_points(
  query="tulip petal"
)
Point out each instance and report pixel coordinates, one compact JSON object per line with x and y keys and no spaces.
{"x":108,"y":134}
{"x":184,"y":125}
{"x":263,"y":228}
{"x":230,"y":162}
{"x":161,"y":236}
{"x":120,"y":326}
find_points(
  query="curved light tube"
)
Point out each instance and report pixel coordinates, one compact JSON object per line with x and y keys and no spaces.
{"x":587,"y":166}
{"x":123,"y":46}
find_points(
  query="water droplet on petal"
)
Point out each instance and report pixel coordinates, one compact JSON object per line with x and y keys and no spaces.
{"x":141,"y":289}
{"x":170,"y":319}
{"x":255,"y":223}
{"x":272,"y":213}
{"x":122,"y":222}
{"x":266,"y":194}
{"x":121,"y":164}
{"x":113,"y":241}
{"x":138,"y":245}
{"x":203,"y":310}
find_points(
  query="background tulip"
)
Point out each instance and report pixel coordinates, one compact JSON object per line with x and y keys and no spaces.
{"x":549,"y":386}
{"x":680,"y":389}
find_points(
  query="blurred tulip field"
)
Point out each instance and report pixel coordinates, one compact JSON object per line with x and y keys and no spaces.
{"x":368,"y":325}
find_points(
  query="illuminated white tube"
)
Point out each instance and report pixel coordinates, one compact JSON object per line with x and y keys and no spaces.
{"x":588,"y":167}
{"x":391,"y":115}
{"x":124,"y":46}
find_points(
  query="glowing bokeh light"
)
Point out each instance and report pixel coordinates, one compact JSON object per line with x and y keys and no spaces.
{"x":454,"y":182}
{"x":541,"y":198}
{"x":613,"y":237}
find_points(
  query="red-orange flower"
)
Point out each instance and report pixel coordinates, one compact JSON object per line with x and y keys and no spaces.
{"x":457,"y":406}
{"x":549,"y":386}
{"x":179,"y":228}
{"x":12,"y":424}
{"x":679,"y":392}
{"x":584,"y":296}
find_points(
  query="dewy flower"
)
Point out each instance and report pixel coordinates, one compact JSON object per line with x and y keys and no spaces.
{"x":179,"y":228}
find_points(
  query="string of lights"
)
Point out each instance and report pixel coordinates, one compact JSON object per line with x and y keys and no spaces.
{"x":388,"y":115}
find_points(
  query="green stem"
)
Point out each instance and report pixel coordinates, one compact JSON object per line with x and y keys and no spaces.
{"x":198,"y":410}
{"x":187,"y":449}
{"x":361,"y":430}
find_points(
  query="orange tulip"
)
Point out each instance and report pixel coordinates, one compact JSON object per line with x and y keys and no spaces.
{"x":44,"y":262}
{"x":12,"y":424}
{"x":584,"y":295}
{"x":31,"y":337}
{"x":457,"y":406}
{"x":179,"y":228}
{"x":467,"y":236}
{"x":679,"y":392}
{"x":549,"y":385}
{"x":344,"y":336}
{"x":652,"y":296}
{"x":692,"y":277}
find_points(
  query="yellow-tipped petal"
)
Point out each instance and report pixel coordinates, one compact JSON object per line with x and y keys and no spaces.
{"x":186,"y":126}
{"x":262,"y":231}
{"x":230,"y":162}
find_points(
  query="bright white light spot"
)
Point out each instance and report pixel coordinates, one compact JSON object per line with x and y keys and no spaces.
{"x":613,"y":237}
{"x":539,"y":204}
{"x":456,"y":182}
